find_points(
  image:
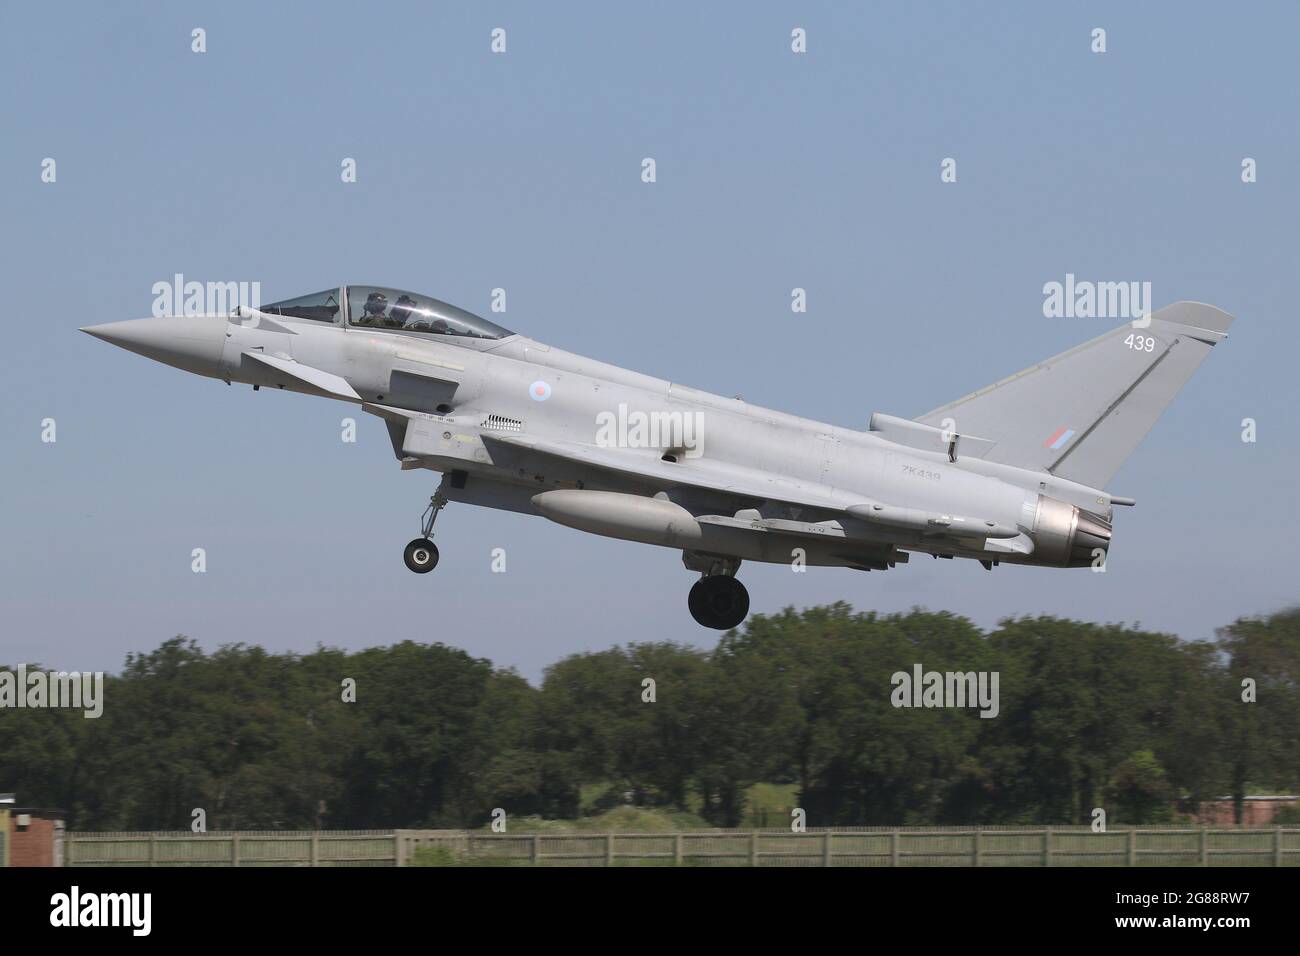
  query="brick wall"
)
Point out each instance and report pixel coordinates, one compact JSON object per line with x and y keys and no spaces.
{"x":32,"y":845}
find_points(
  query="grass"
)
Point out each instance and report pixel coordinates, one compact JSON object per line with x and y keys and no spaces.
{"x":769,"y":805}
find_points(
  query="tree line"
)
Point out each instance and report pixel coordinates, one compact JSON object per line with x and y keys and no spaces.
{"x":1140,"y":724}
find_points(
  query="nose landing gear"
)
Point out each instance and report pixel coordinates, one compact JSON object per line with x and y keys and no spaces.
{"x":421,"y":555}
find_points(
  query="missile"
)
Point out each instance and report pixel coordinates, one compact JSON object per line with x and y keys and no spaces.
{"x":929,"y":522}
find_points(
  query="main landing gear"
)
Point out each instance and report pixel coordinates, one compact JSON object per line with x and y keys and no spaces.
{"x":717,"y":599}
{"x":421,"y":555}
{"x":719,"y":602}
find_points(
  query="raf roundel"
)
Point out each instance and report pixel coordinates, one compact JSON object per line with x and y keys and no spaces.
{"x":539,"y":391}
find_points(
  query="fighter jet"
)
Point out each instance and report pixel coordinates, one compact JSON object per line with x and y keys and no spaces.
{"x":1014,"y":473}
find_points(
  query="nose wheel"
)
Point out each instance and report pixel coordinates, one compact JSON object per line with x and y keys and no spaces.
{"x":718,"y":601}
{"x":421,"y":555}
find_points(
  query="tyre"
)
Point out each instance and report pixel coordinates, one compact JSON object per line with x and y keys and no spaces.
{"x":719,"y":602}
{"x":421,"y":556}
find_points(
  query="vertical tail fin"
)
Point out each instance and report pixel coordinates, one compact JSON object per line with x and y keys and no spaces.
{"x":1080,"y":414}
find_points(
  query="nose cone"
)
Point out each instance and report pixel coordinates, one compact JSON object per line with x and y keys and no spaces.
{"x":192,"y":343}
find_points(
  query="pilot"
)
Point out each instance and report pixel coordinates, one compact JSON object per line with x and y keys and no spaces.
{"x":402,"y":309}
{"x":373,"y":311}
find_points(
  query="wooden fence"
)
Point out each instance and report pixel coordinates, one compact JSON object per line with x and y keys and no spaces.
{"x":867,"y":846}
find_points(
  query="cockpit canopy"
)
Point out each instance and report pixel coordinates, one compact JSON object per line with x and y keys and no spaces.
{"x":379,"y":308}
{"x":375,"y":307}
{"x":317,"y":306}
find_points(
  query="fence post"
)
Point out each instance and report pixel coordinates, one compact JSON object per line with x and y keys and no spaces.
{"x":1277,"y":846}
{"x":826,"y":849}
{"x":978,"y":853}
{"x":234,"y":848}
{"x":1132,"y":848}
{"x":609,"y":849}
{"x":1205,"y":846}
{"x":153,"y":851}
{"x":753,"y":848}
{"x":677,"y":849}
{"x":1047,"y":846}
{"x":893,"y":848}
{"x":315,"y":848}
{"x":537,"y":849}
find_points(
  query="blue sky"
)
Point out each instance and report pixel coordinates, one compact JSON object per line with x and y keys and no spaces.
{"x":522,"y":171}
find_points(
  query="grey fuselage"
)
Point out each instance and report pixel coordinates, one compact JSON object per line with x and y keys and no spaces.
{"x":501,"y":416}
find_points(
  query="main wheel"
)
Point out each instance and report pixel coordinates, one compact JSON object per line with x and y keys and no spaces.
{"x":719,"y":601}
{"x":421,"y":556}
